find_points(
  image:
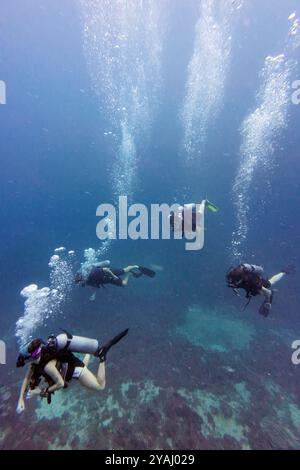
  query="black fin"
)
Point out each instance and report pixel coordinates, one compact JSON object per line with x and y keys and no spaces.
{"x":265,"y":309}
{"x":147,"y":272}
{"x":102,"y":351}
{"x":289,"y":269}
{"x":136,"y":273}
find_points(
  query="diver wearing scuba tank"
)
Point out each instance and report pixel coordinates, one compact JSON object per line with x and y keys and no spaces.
{"x":99,"y":277}
{"x":101,"y":274}
{"x":54,"y":362}
{"x":250,"y":277}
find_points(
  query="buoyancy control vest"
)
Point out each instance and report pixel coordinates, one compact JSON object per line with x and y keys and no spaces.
{"x":61,"y":348}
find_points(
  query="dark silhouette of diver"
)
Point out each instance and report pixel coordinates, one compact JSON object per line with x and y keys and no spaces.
{"x":54,"y":362}
{"x":101,"y":274}
{"x":250,"y":277}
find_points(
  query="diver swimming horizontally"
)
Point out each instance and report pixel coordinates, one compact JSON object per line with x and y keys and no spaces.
{"x":251,"y":278}
{"x":101,"y":274}
{"x":55,"y":362}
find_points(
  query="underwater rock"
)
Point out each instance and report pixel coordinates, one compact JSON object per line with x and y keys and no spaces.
{"x":215,"y":330}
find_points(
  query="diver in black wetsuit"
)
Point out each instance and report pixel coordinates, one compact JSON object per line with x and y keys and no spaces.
{"x":100,"y":275}
{"x":250,"y":278}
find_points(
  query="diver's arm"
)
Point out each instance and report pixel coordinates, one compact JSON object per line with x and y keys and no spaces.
{"x":111,"y":273}
{"x":25,"y":383}
{"x":53,"y":373}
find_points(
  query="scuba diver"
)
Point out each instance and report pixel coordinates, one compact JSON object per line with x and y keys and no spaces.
{"x":55,"y":362}
{"x":251,"y":278}
{"x":101,"y":274}
{"x":177,"y":219}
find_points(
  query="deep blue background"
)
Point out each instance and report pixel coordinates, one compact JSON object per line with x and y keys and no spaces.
{"x":53,"y":151}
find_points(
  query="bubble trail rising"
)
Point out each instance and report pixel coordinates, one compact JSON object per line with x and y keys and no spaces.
{"x":42,"y":304}
{"x":261,"y":130}
{"x":122,"y":46}
{"x":207,"y":72}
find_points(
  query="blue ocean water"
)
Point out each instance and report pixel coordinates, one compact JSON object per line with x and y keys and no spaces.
{"x":163,"y":101}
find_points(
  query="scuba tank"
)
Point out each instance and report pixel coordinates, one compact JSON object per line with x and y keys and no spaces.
{"x":75,"y":344}
{"x":253,"y":268}
{"x":102,"y":264}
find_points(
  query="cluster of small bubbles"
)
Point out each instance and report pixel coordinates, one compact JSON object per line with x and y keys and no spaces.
{"x":61,"y":278}
{"x":207,"y":72}
{"x":90,"y":258}
{"x":36,"y":309}
{"x":59,"y":249}
{"x":261,"y":129}
{"x":110,"y":133}
{"x":293,"y":42}
{"x":41,"y":304}
{"x":125,"y":170}
{"x":125,"y":76}
{"x":93,"y":257}
{"x":295,"y":26}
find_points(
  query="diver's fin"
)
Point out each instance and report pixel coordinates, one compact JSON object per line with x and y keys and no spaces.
{"x":265,"y":309}
{"x":103,"y":350}
{"x":289,"y":269}
{"x":210,"y":206}
{"x":147,"y":272}
{"x":136,"y":273}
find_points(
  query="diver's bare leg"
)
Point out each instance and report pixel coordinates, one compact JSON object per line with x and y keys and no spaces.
{"x":101,"y":374}
{"x":276,"y":278}
{"x":126,"y":279}
{"x":266,"y":306}
{"x":273,"y":280}
{"x":267,"y":293}
{"x":90,"y":381}
{"x":130,"y":268}
{"x":86,"y":359}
